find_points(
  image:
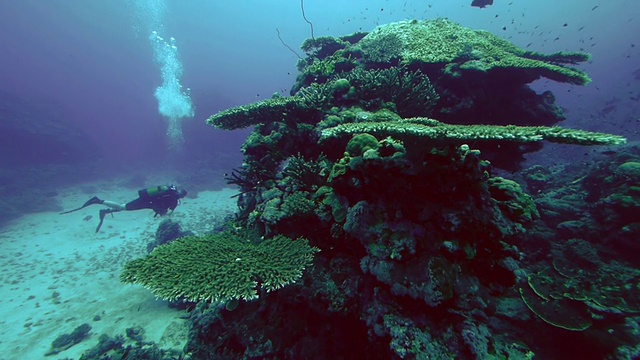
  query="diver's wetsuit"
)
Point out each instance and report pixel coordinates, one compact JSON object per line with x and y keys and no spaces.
{"x":160,"y":199}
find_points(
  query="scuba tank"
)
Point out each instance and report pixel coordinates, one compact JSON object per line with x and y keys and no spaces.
{"x":155,"y":191}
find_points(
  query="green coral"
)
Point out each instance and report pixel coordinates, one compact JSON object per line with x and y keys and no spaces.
{"x":383,"y":47}
{"x":297,"y":204}
{"x":563,"y":313}
{"x":271,"y":212}
{"x":269,"y":140}
{"x":630,"y":170}
{"x":339,"y":168}
{"x":429,"y":129}
{"x":321,"y":69}
{"x":518,"y":205}
{"x":409,"y":92}
{"x":381,"y":115}
{"x":337,"y":204}
{"x":323,"y":46}
{"x":276,"y":206}
{"x":357,"y":114}
{"x":307,"y":175}
{"x":360,"y":143}
{"x":341,"y":86}
{"x":254,"y":113}
{"x":323,"y":65}
{"x":567,"y":294}
{"x":220,"y":267}
{"x":444,"y":42}
{"x":622,"y":200}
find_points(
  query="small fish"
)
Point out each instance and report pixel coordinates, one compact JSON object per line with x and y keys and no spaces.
{"x":481,"y":3}
{"x":595,"y":7}
{"x":607,"y":110}
{"x":614,"y":100}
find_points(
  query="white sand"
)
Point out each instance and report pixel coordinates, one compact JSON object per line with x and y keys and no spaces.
{"x":57,"y":274}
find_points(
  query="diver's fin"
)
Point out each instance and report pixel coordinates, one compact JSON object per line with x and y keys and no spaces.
{"x":70,"y":211}
{"x":92,"y":201}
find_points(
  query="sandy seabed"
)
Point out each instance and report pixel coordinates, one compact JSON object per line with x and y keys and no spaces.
{"x":57,"y":273}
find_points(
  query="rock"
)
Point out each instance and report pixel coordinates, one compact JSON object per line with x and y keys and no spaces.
{"x":66,"y":341}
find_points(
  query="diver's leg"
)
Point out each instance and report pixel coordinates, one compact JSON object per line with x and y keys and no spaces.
{"x":114,"y":205}
{"x":103,"y":213}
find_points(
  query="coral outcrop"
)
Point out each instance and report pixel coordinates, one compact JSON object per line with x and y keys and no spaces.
{"x":378,"y":160}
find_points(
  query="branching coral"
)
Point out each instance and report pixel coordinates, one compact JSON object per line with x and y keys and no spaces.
{"x":220,"y":267}
{"x":307,"y":175}
{"x":323,"y":46}
{"x":251,"y":175}
{"x":410,"y":91}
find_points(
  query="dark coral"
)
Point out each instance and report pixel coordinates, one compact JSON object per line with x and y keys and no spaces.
{"x":66,"y":341}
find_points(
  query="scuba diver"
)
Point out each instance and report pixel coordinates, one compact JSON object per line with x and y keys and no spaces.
{"x":160,"y":199}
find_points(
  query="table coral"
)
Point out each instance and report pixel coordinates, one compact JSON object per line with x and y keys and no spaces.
{"x":443,"y":41}
{"x":220,"y":267}
{"x":430,"y":129}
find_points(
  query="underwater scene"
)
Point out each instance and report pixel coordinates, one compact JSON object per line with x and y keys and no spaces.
{"x":366,"y":179}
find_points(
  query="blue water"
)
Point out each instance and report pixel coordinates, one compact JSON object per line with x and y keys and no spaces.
{"x":79,"y":79}
{"x":94,"y":65}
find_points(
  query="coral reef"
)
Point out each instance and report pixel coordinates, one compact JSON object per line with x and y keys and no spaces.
{"x":378,"y":160}
{"x":583,"y":272}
